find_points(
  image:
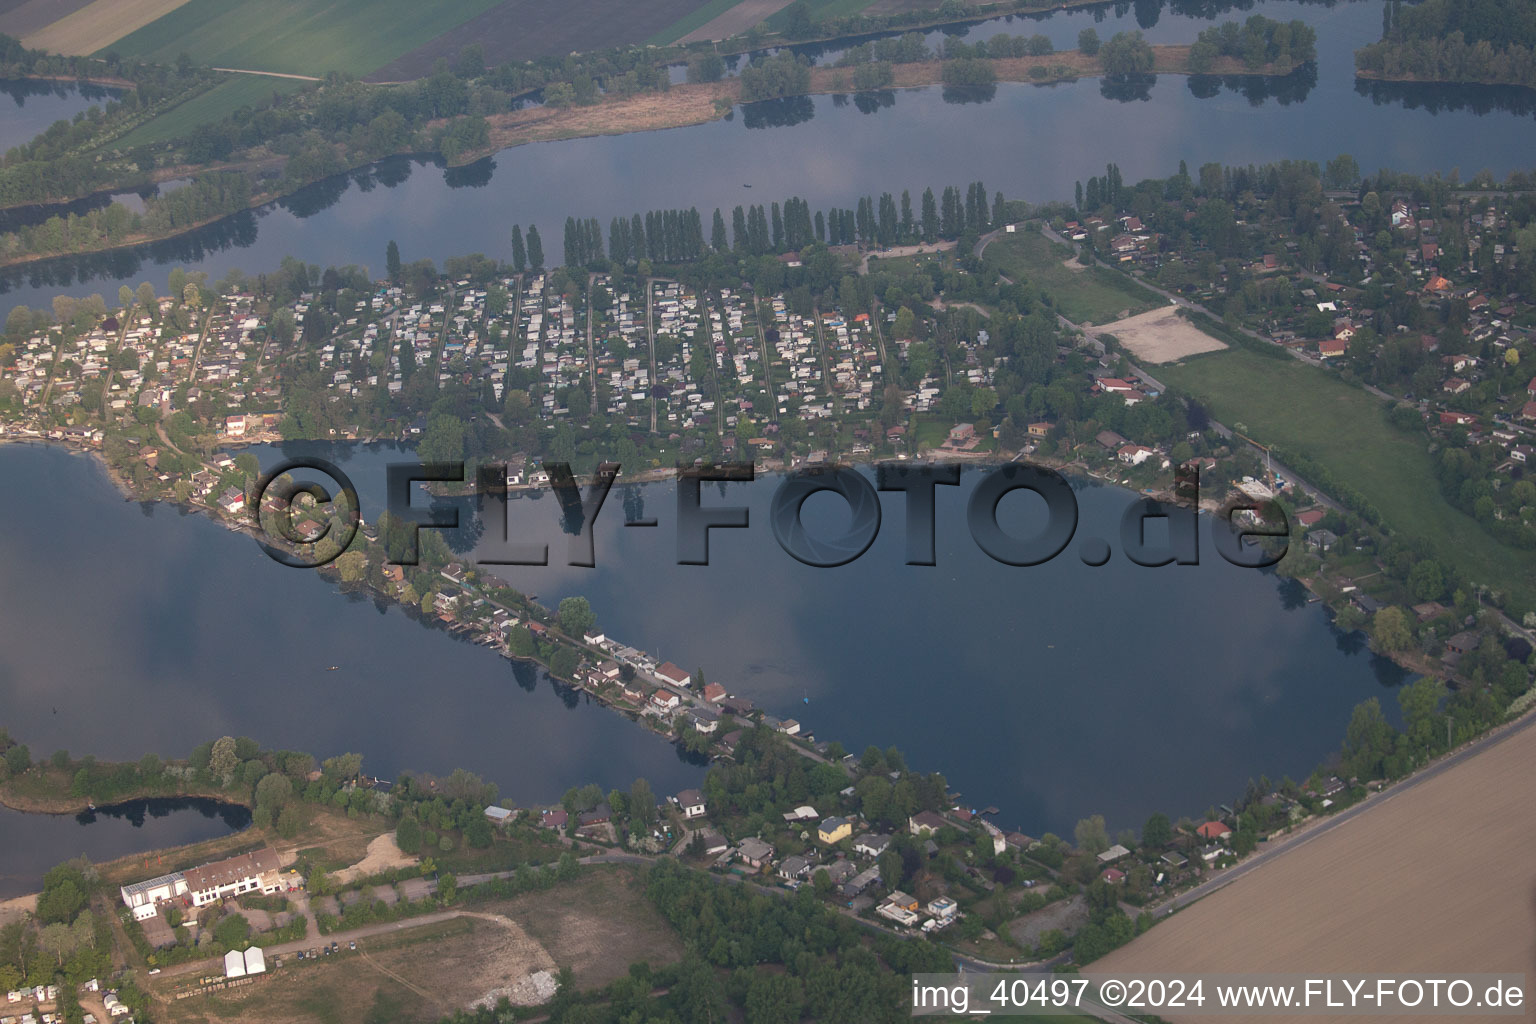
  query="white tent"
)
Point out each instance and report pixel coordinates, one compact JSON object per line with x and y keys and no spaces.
{"x":255,"y":962}
{"x":234,"y":964}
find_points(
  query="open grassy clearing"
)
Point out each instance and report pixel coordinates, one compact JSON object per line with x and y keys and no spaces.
{"x":1354,"y":900}
{"x":1092,"y":294}
{"x":98,"y":25}
{"x":821,"y":9}
{"x":1284,"y":402}
{"x":214,"y":105}
{"x":305,"y":37}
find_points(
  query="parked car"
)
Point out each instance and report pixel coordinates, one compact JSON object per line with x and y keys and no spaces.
{"x":352,"y":945}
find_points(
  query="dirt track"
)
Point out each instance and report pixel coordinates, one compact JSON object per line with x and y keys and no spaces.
{"x":1439,"y":878}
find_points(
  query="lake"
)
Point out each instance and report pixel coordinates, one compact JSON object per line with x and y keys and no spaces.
{"x":36,"y":842}
{"x":1052,"y":692}
{"x":1028,"y":141}
{"x":151,"y":630}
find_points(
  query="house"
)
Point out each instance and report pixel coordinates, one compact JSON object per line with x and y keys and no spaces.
{"x":232,"y":501}
{"x":1019,"y":841}
{"x":943,"y":908}
{"x":1114,"y":876}
{"x":555,"y":817}
{"x":1214,"y":830}
{"x":834,"y":830}
{"x":1134,"y":454}
{"x":871,"y":844}
{"x":1457,"y":419}
{"x":1528,"y":411}
{"x":711,"y":843}
{"x":498,"y":815}
{"x":789,"y":727}
{"x":861,"y":881}
{"x":1174,"y":859}
{"x":1311,"y":517}
{"x":664,"y":700}
{"x":143,"y":897}
{"x":670,"y":673}
{"x":805,"y":812}
{"x":703,"y":719}
{"x":1466,"y":640}
{"x":1110,"y":440}
{"x":794,"y":867}
{"x":714,"y":692}
{"x":1321,"y":540}
{"x":1040,"y":428}
{"x":1211,"y":852}
{"x":1332,"y":348}
{"x":898,"y":898}
{"x":1113,"y":854}
{"x":251,"y":872}
{"x":691,"y":803}
{"x":754,"y":852}
{"x":925,"y":822}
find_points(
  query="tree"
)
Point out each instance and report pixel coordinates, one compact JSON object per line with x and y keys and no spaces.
{"x":273,"y":792}
{"x":519,"y":254}
{"x":223,"y":760}
{"x":353,"y":566}
{"x":1088,"y":42}
{"x":1157,"y":832}
{"x":1127,"y":54}
{"x":535,"y":249}
{"x":392,"y":260}
{"x":576,"y":617}
{"x":1092,"y":836}
{"x":342,"y":767}
{"x":408,"y":834}
{"x":1420,"y":702}
{"x":1390,"y":630}
{"x":1368,"y":741}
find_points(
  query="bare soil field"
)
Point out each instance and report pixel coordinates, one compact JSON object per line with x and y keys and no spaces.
{"x":1439,"y":878}
{"x":17,"y":909}
{"x":1067,"y":915}
{"x":736,"y":20}
{"x":20,"y":18}
{"x":1161,"y":336}
{"x":383,"y":855}
{"x":97,"y":25}
{"x":598,"y":925}
{"x":524,"y":29}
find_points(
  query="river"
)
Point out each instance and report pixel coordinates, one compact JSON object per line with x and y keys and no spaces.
{"x":36,"y":842}
{"x":1028,"y":141}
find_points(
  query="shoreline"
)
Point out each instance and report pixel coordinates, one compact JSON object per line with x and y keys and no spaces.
{"x":682,"y":106}
{"x":1411,"y":79}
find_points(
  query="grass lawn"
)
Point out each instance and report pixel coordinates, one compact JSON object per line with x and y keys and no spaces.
{"x":305,"y":37}
{"x":1293,"y":405}
{"x":689,"y":22}
{"x":1093,"y":294}
{"x":214,"y":105}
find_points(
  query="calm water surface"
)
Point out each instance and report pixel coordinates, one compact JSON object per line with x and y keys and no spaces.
{"x":1028,"y":141}
{"x":33,"y":843}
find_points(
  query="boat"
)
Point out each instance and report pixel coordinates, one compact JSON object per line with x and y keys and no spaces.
{"x":333,"y":668}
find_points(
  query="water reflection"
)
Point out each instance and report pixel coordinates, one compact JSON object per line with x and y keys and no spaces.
{"x":1258,"y":89}
{"x":784,"y":112}
{"x":1436,"y":99}
{"x":1127,"y":88}
{"x":136,"y":812}
{"x":962,"y":94}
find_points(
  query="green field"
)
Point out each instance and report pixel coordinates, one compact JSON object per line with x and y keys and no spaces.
{"x":1093,"y":294}
{"x":303,"y":37}
{"x":822,"y":9}
{"x":688,"y":23}
{"x":1287,"y":403}
{"x":214,"y":105}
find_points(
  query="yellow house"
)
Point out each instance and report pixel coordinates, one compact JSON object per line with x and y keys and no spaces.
{"x":834,"y":829}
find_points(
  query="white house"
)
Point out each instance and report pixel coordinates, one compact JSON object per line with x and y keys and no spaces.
{"x":142,"y":897}
{"x":691,"y":803}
